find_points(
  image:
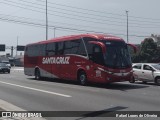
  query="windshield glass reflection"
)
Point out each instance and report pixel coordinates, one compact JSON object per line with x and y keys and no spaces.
{"x":117,"y":55}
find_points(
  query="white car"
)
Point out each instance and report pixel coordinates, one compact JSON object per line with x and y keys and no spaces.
{"x":146,"y":72}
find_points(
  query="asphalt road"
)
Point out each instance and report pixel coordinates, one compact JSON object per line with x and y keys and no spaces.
{"x":58,"y":95}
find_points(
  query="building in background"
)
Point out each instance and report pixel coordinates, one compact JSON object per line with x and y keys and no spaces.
{"x":3,"y":58}
{"x":19,"y":60}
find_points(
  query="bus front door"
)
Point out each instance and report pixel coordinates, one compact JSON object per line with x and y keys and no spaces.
{"x":97,"y":62}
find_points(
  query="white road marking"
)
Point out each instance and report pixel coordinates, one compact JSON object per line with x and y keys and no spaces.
{"x":35,"y":89}
{"x":18,"y":69}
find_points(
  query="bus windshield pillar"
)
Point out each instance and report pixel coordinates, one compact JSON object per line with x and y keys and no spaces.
{"x":85,"y":47}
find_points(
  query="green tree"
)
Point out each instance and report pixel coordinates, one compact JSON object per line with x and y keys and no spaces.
{"x":135,"y":57}
{"x":148,"y":50}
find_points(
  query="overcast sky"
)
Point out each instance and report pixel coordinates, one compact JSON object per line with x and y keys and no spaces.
{"x":25,"y":19}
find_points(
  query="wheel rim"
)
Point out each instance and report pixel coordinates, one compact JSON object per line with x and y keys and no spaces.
{"x":158,"y":80}
{"x":37,"y":74}
{"x":83,"y":79}
{"x":132,"y":80}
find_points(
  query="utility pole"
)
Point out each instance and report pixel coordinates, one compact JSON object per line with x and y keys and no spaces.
{"x":12,"y":51}
{"x":127,"y":25}
{"x":46,"y":21}
{"x":54,"y":32}
{"x":17,"y":45}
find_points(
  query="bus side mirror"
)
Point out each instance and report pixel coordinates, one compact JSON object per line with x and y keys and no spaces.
{"x":134,"y":47}
{"x":102,"y":45}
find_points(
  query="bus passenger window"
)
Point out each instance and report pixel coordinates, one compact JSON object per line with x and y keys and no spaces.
{"x":50,"y":49}
{"x":60,"y":50}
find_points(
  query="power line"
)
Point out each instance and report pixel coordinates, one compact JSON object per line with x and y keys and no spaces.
{"x":100,"y":12}
{"x":59,"y":27}
{"x":84,"y":9}
{"x":139,"y":25}
{"x":23,"y":22}
{"x":86,"y":17}
{"x":43,"y":21}
{"x":69,"y":24}
{"x":68,"y":28}
{"x":86,"y":13}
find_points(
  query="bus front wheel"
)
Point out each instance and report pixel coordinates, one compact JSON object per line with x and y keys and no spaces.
{"x":37,"y":74}
{"x":132,"y":80}
{"x":82,"y":78}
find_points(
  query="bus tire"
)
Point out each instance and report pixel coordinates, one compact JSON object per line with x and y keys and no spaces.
{"x":157,"y":81}
{"x":132,"y":80}
{"x":144,"y":82}
{"x":82,"y":78}
{"x":37,"y":74}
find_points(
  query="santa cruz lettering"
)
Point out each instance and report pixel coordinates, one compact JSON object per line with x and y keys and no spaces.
{"x":55,"y":60}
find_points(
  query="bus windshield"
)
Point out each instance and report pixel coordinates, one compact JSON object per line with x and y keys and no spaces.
{"x":117,"y":55}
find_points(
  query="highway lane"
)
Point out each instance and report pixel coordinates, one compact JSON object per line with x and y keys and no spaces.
{"x":49,"y":95}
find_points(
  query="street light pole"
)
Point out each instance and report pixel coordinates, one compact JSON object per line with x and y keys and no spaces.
{"x":17,"y":45}
{"x":12,"y":48}
{"x":54,"y":32}
{"x":46,"y":21}
{"x":127,"y":25}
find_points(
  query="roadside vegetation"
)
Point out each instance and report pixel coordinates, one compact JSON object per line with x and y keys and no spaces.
{"x":148,"y":52}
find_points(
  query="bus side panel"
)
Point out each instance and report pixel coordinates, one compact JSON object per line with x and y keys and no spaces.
{"x":46,"y":69}
{"x":29,"y":65}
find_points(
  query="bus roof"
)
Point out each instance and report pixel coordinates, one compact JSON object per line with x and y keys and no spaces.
{"x":73,"y":37}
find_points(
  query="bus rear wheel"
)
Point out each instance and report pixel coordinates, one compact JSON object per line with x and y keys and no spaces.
{"x":82,"y":78}
{"x":37,"y":74}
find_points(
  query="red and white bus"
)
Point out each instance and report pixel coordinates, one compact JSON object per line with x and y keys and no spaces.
{"x":85,"y":58}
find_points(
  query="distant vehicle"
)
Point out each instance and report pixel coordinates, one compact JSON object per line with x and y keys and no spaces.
{"x":7,"y":63}
{"x":146,"y":72}
{"x":4,"y":68}
{"x":85,"y":58}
